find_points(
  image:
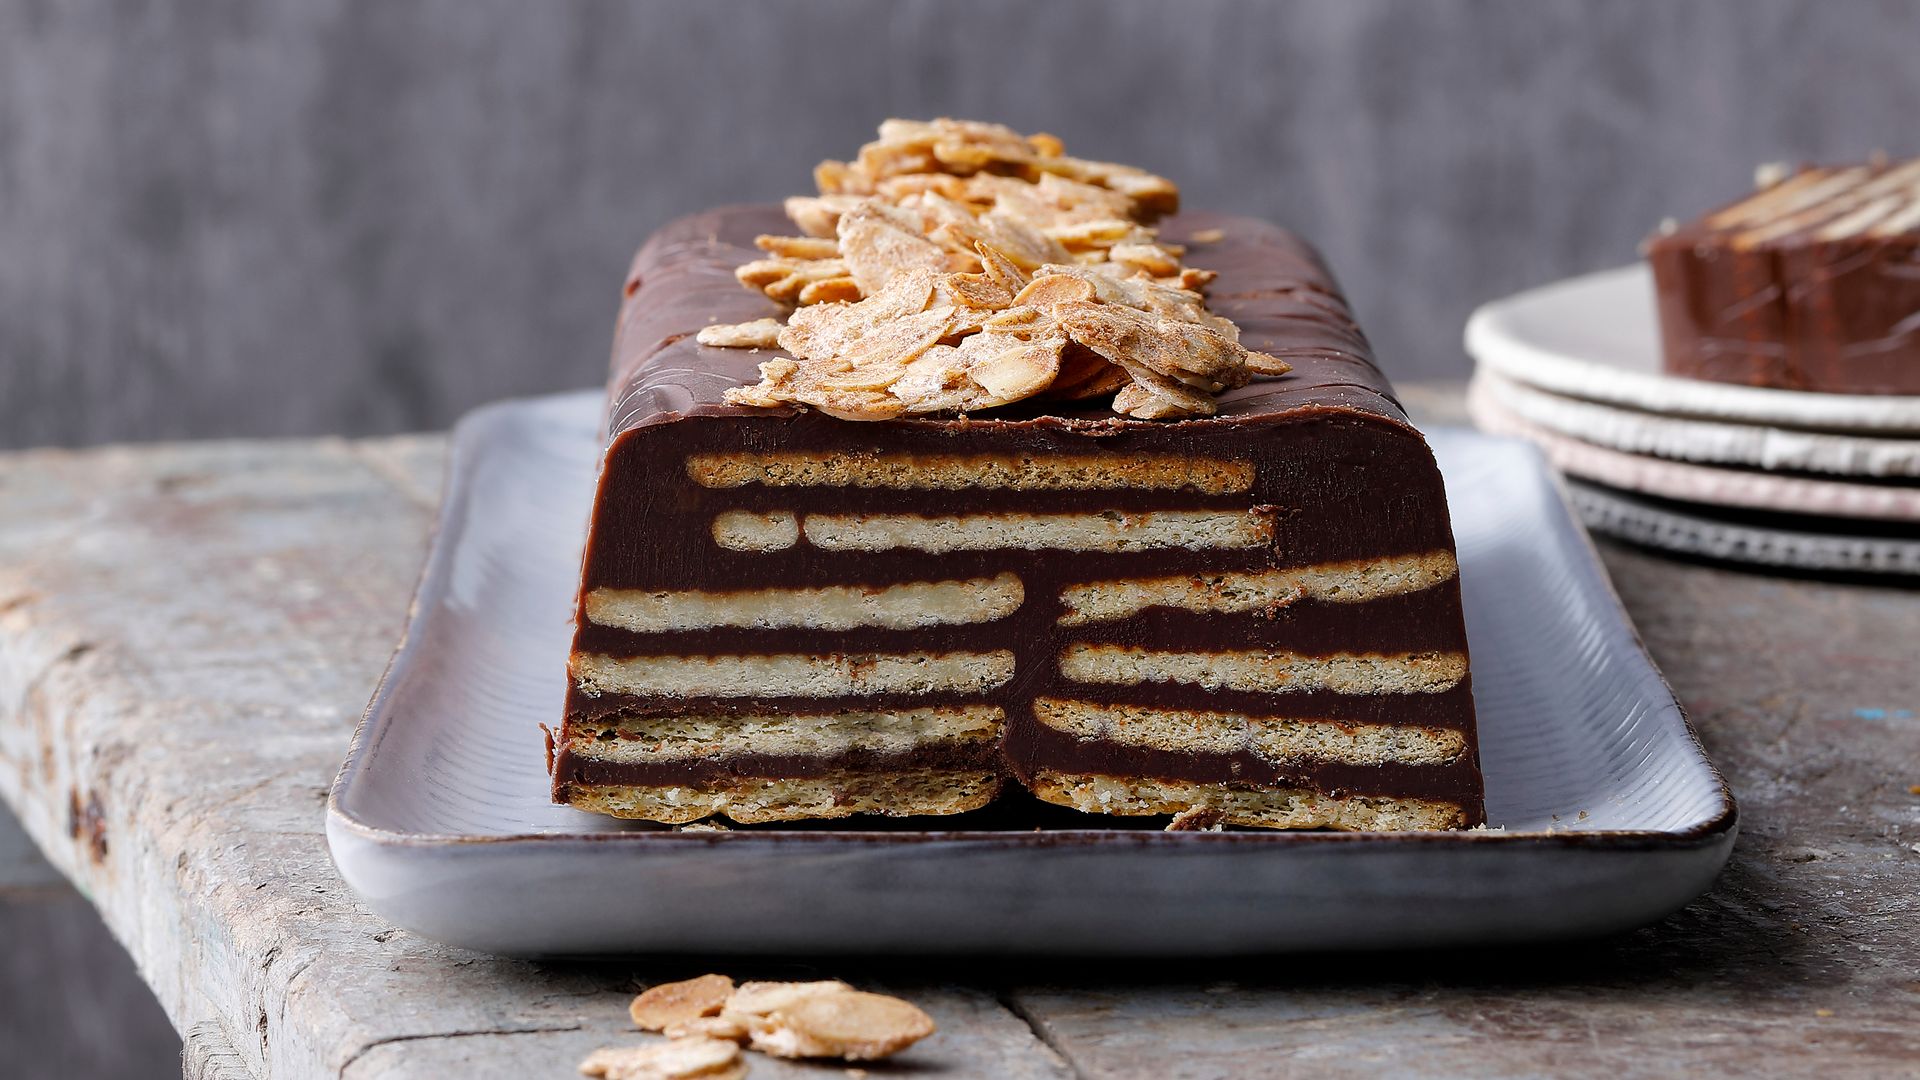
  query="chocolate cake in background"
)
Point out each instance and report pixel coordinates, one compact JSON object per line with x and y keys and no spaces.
{"x":1239,"y":606}
{"x":1810,"y":283}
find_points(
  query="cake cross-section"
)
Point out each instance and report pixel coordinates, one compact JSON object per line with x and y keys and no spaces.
{"x":1241,"y":609}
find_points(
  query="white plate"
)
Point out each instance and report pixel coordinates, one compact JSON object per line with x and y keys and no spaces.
{"x":1760,"y":539}
{"x":1687,"y":482}
{"x":1712,"y":442}
{"x":1606,"y":813}
{"x":1597,"y":337}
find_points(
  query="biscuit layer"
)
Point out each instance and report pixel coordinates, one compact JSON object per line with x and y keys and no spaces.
{"x":1011,"y":472}
{"x":1352,"y":582}
{"x":1267,"y":672}
{"x":1279,"y":740}
{"x":839,"y":607}
{"x":1108,"y":531}
{"x":1273,"y":809}
{"x":678,"y":738}
{"x":754,"y":799}
{"x":743,"y":530}
{"x":791,"y":674}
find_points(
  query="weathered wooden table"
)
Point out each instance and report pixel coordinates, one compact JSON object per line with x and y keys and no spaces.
{"x":189,"y":632}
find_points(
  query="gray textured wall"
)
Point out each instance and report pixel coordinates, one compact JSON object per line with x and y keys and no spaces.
{"x":259,"y":217}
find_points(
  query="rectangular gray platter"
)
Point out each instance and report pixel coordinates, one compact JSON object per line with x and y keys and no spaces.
{"x":1604,"y":811}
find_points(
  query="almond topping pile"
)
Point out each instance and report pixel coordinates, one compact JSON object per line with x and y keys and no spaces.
{"x":707,"y":1020}
{"x":955,"y":266}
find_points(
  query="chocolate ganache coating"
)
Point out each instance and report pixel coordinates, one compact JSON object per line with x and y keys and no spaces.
{"x":1343,"y":482}
{"x":1271,"y":283}
{"x":1339,"y":474}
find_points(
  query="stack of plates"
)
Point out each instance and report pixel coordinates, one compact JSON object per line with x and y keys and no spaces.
{"x":1780,"y":477}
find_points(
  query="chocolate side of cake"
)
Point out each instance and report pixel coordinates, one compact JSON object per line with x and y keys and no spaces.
{"x":1812,"y":283}
{"x":788,"y":615}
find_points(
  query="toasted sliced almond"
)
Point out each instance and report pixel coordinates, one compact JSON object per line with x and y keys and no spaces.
{"x":1187,"y":352}
{"x":1154,"y":195}
{"x":1143,"y":401}
{"x":1150,"y":259}
{"x":670,"y":1003}
{"x":953,"y":264}
{"x":1053,"y":289}
{"x":1261,"y":364}
{"x":836,"y":176}
{"x":678,"y":1059}
{"x":979,"y":291}
{"x":996,"y":265}
{"x":1024,"y":244}
{"x":799,"y":247}
{"x":1110,"y":381}
{"x":849,"y":1024}
{"x":828,"y":330}
{"x":711,"y":1027}
{"x":758,"y":334}
{"x":956,"y":146}
{"x":846,"y":405}
{"x":830,"y":290}
{"x":783,"y":279}
{"x":820,"y":216}
{"x":1085,"y":235}
{"x":1085,"y":374}
{"x":1190,"y":278}
{"x":760,"y":998}
{"x":897,"y":188}
{"x":878,"y":242}
{"x":773,"y":373}
{"x":936,"y":382}
{"x":1014,"y":370}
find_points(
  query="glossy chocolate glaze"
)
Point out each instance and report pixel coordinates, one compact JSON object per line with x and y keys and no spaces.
{"x":1794,"y":312}
{"x":1338,"y":469}
{"x":1270,"y":283}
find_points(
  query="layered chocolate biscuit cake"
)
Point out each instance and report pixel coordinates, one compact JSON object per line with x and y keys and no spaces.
{"x":1810,"y":283}
{"x":828,"y":582}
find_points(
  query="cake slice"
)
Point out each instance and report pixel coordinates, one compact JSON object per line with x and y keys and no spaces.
{"x":1810,"y":283}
